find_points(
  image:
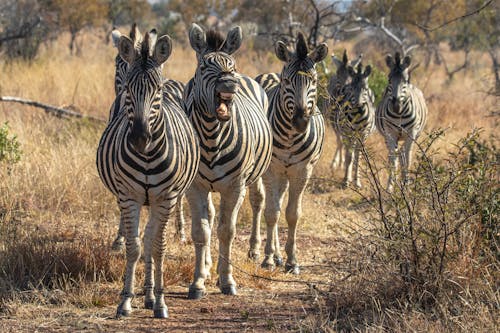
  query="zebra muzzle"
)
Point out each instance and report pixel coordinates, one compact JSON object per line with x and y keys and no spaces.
{"x":224,"y":102}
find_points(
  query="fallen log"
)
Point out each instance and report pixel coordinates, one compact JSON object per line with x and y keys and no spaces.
{"x":50,"y":109}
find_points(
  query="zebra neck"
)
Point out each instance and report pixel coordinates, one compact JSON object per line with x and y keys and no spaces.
{"x":280,"y":118}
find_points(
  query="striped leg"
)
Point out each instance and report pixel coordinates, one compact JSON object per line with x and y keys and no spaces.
{"x":211,"y":220}
{"x":160,"y":216}
{"x":392,"y":146}
{"x":149,"y":299}
{"x":257,"y":197}
{"x":357,"y":180}
{"x":130,"y":213}
{"x":231,"y":201}
{"x":405,"y":159}
{"x":198,"y":198}
{"x":349,"y":154}
{"x":119,"y":242}
{"x":275,"y":190}
{"x":293,"y":211}
{"x":337,"y":159}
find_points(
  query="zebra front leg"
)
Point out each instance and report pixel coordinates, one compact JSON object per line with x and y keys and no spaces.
{"x":200,"y":233}
{"x":160,"y":216}
{"x":293,"y":212}
{"x":257,"y":197}
{"x":349,"y":152}
{"x":337,"y":158}
{"x":180,"y":221}
{"x":392,"y":146}
{"x":357,"y":180}
{"x":211,"y":221}
{"x":405,"y":159}
{"x":278,"y":258}
{"x":275,"y":190}
{"x":230,"y":205}
{"x":149,"y":298}
{"x":130,"y":213}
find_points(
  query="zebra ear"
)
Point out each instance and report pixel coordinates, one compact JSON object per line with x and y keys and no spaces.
{"x":406,"y":62}
{"x":368,"y":71}
{"x":336,"y":61}
{"x":282,"y":52}
{"x":197,"y":38}
{"x":357,"y":61}
{"x":135,"y":34}
{"x":115,"y":36}
{"x":319,"y":53}
{"x":233,"y":40}
{"x":126,"y":49}
{"x":389,"y":61}
{"x":163,"y":49}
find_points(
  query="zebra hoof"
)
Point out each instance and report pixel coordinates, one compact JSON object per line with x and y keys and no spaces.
{"x":120,"y":313}
{"x":268,"y":266}
{"x":278,"y":261}
{"x":292,"y":269}
{"x":161,"y":313}
{"x":195,"y":293}
{"x":149,"y":304}
{"x":229,"y":290}
{"x":254,"y":256}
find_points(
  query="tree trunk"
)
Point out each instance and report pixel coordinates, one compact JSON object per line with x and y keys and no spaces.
{"x":496,"y":70}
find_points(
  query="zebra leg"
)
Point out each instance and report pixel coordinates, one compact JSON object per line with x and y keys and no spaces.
{"x":160,"y":217}
{"x":119,"y":242}
{"x":357,"y":180}
{"x":200,"y":233}
{"x":180,"y":222}
{"x":405,"y":159}
{"x":275,"y":190}
{"x":257,"y":196}
{"x":211,"y":220}
{"x":392,"y":146}
{"x":130,"y":212}
{"x":230,"y":205}
{"x":278,"y":258}
{"x":337,"y":158}
{"x":293,"y":212}
{"x":348,"y":165}
{"x":149,"y":299}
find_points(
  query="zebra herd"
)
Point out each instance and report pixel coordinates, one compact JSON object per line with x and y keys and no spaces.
{"x":224,"y":132}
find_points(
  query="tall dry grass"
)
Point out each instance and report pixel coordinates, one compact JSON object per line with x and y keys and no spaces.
{"x":57,"y":220}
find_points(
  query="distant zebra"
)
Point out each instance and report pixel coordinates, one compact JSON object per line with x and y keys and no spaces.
{"x":298,"y":134}
{"x":172,"y":90}
{"x":401,"y":115}
{"x":147,"y":155}
{"x":228,"y":111}
{"x":335,"y":85}
{"x":355,"y":119}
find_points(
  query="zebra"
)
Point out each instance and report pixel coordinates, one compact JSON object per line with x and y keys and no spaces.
{"x":401,"y":115}
{"x":335,"y":85}
{"x":298,"y":133}
{"x":227,"y":110}
{"x":172,"y":89}
{"x":148,"y":155}
{"x":355,"y":119}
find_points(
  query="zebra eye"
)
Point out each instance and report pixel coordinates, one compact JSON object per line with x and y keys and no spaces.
{"x":286,"y":81}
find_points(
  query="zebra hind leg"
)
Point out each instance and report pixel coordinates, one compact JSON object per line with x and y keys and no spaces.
{"x":257,"y":197}
{"x":180,"y":221}
{"x":119,"y":242}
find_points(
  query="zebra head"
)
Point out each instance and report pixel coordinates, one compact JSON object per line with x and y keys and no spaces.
{"x":357,"y":91}
{"x":215,"y":79}
{"x":121,"y":66}
{"x":399,"y":80}
{"x":299,"y":79}
{"x":342,"y":74}
{"x":143,"y":84}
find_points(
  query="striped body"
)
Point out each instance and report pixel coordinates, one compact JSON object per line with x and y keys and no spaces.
{"x":227,"y":111}
{"x":298,"y":134}
{"x":400,"y":116}
{"x":147,"y":155}
{"x":355,"y":119}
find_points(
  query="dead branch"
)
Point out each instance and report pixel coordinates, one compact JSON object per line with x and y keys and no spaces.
{"x":53,"y":110}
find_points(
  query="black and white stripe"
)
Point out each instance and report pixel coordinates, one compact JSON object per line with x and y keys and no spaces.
{"x":355,"y":119}
{"x":298,"y":134}
{"x":335,"y":85}
{"x":147,"y":155}
{"x":227,"y":110}
{"x":401,"y":115}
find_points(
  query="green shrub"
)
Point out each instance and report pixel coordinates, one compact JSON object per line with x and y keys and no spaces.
{"x":377,"y":82}
{"x":10,"y":151}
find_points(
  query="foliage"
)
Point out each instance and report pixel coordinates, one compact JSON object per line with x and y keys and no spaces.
{"x":124,"y":12}
{"x":377,"y":81}
{"x":10,"y":151}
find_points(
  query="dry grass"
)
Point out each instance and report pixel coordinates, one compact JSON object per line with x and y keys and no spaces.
{"x":57,"y":221}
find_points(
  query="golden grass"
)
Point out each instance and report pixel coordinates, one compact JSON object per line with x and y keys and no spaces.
{"x":54,"y":193}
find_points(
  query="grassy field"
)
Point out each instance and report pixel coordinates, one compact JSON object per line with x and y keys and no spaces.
{"x":57,"y":221}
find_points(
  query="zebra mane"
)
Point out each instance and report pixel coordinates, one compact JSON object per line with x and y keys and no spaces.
{"x":145,"y":49}
{"x":301,"y":48}
{"x":215,"y":40}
